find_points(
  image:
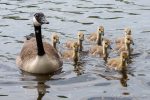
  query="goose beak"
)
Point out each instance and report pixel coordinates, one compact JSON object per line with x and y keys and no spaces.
{"x":44,"y":21}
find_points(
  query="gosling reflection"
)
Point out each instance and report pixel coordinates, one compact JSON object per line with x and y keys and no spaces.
{"x":78,"y":68}
{"x":124,"y":78}
{"x":39,"y":81}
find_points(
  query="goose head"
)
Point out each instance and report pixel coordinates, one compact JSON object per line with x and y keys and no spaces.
{"x":81,"y":36}
{"x":39,"y":19}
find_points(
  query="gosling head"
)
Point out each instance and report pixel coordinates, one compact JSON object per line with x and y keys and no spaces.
{"x":100,"y":30}
{"x":81,"y":36}
{"x":39,"y":19}
{"x":106,"y":44}
{"x":127,"y":31}
{"x":128,"y":40}
{"x":55,"y":38}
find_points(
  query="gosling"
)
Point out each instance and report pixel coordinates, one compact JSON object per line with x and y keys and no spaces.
{"x":80,"y":42}
{"x":72,"y":54}
{"x":55,"y":40}
{"x":101,"y":50}
{"x":127,"y":32}
{"x":119,"y":63}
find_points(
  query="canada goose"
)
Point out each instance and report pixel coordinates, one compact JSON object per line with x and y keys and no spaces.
{"x":127,"y":32}
{"x":72,"y":54}
{"x":126,"y":47}
{"x":118,"y":63}
{"x":55,"y":40}
{"x":101,"y":50}
{"x":36,"y":56}
{"x":80,"y":40}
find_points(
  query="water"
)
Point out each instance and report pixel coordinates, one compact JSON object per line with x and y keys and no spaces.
{"x":92,"y":80}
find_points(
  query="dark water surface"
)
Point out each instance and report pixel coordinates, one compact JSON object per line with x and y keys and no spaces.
{"x":92,"y":81}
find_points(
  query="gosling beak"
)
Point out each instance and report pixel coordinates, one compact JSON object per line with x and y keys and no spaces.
{"x":132,"y":42}
{"x":82,"y":39}
{"x":102,"y":33}
{"x":110,"y":47}
{"x":58,"y":41}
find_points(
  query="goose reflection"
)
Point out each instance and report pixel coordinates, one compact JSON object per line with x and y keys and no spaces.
{"x":39,"y":80}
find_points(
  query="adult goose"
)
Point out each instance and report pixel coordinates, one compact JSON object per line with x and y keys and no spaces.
{"x":39,"y":57}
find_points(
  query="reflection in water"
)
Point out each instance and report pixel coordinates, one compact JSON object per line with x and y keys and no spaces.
{"x":41,"y":88}
{"x":40,"y":79}
{"x":124,"y":78}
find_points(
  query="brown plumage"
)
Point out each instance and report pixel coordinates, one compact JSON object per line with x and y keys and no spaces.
{"x":36,"y":56}
{"x":118,"y":63}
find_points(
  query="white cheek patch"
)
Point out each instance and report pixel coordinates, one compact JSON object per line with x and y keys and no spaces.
{"x":35,"y":22}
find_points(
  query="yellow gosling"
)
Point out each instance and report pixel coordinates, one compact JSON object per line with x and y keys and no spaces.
{"x":101,"y":50}
{"x":126,"y":47}
{"x":55,"y":40}
{"x":72,"y":54}
{"x":127,"y":32}
{"x":118,"y":63}
{"x":97,"y":36}
{"x":80,"y":41}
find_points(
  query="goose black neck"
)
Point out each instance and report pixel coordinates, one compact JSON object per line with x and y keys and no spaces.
{"x":40,"y":48}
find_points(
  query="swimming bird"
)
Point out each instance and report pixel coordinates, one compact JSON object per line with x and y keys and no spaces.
{"x":118,"y":63}
{"x":55,"y":40}
{"x":80,"y":41}
{"x":126,"y":47}
{"x":101,"y":50}
{"x":72,"y":54}
{"x":36,"y":56}
{"x":98,"y":36}
{"x":127,"y":32}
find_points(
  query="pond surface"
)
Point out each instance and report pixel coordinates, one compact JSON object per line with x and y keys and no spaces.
{"x":92,"y":81}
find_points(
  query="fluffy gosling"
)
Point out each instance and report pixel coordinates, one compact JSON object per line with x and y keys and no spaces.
{"x":118,"y":63}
